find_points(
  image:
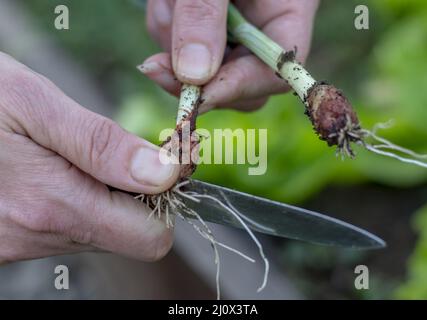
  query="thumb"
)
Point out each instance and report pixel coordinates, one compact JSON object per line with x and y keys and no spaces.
{"x":198,"y":39}
{"x":93,"y":143}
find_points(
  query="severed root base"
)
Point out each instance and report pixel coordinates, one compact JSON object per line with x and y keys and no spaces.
{"x":335,"y":121}
{"x":333,"y":118}
{"x":170,"y":204}
{"x":183,"y":144}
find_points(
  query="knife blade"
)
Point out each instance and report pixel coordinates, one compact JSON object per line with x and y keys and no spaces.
{"x":278,"y":219}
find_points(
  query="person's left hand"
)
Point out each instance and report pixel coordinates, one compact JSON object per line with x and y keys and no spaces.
{"x":194,"y":35}
{"x":56,"y":160}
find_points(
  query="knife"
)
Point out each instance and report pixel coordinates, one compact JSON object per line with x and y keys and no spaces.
{"x":277,"y":219}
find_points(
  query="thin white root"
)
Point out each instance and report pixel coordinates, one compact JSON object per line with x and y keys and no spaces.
{"x":402,"y":150}
{"x":169,"y":202}
{"x":237,"y":215}
{"x":395,"y":156}
{"x":385,"y":147}
{"x":386,"y":144}
{"x":261,"y":249}
{"x":244,"y":256}
{"x":203,"y":223}
{"x":207,"y":234}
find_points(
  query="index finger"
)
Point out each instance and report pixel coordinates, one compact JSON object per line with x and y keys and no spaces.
{"x":239,"y":79}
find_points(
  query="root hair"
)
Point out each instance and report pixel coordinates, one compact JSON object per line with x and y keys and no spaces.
{"x":386,"y":148}
{"x":165,"y":204}
{"x":351,"y":132}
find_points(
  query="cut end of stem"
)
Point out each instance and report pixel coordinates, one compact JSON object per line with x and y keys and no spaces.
{"x":333,"y":117}
{"x":184,"y":142}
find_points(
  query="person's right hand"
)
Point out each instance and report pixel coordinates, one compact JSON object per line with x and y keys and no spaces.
{"x":193,"y":34}
{"x":56,"y":159}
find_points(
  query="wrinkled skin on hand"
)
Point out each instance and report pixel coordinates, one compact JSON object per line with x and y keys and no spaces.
{"x":56,"y":159}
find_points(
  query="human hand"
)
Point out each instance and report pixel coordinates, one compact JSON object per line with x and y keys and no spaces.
{"x":193,"y":34}
{"x":56,"y":159}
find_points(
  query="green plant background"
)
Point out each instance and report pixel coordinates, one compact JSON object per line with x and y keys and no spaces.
{"x":383,"y":70}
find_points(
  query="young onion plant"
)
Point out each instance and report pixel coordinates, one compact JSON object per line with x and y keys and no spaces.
{"x":331,"y":114}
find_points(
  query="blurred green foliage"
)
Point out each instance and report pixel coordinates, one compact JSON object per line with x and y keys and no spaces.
{"x":383,"y":70}
{"x":416,"y":285}
{"x":402,"y":60}
{"x":108,"y":37}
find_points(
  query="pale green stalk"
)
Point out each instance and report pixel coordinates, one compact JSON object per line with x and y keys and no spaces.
{"x":188,"y":101}
{"x":270,"y":52}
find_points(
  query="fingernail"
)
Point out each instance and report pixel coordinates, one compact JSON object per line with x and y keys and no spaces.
{"x":149,"y":67}
{"x":162,"y":13}
{"x":159,"y":74}
{"x":148,"y":169}
{"x":194,"y":61}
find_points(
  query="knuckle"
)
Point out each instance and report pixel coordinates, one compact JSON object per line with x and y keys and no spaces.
{"x":80,"y":236}
{"x":19,"y":80}
{"x":17,"y":86}
{"x":25,"y":95}
{"x":105,"y":138}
